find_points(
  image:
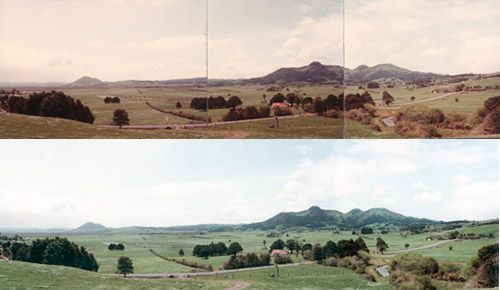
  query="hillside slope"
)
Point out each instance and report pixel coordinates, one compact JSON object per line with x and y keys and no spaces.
{"x":316,"y":217}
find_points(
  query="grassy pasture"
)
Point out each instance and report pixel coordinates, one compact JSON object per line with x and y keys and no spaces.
{"x":304,"y":277}
{"x":20,"y":275}
{"x":16,"y":126}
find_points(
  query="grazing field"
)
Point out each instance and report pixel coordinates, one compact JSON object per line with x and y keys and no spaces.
{"x":15,"y":126}
{"x":20,"y":275}
{"x":133,"y":100}
{"x":304,"y":277}
{"x":137,"y":247}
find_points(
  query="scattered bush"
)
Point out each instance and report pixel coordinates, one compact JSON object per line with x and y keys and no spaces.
{"x":353,"y":263}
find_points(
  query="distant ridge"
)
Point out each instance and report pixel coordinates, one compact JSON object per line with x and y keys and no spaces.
{"x":316,"y":217}
{"x":87,"y":82}
{"x":91,"y":228}
{"x":312,"y":73}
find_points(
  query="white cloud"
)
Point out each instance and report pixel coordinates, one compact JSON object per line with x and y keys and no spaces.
{"x":477,"y":200}
{"x":418,"y":185}
{"x":304,"y":8}
{"x":429,"y":196}
{"x":461,"y":179}
{"x":436,"y":52}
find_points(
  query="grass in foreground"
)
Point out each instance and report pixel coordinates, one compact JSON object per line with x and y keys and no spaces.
{"x":304,"y":277}
{"x":21,"y":275}
{"x":16,"y":126}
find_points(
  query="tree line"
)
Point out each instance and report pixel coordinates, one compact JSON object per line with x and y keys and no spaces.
{"x":56,"y":251}
{"x":48,"y":104}
{"x":212,"y":103}
{"x":219,"y":249}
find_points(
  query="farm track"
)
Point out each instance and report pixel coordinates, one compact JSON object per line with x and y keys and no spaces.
{"x":427,"y":100}
{"x":204,"y":274}
{"x":203,"y":125}
{"x":422,"y":248}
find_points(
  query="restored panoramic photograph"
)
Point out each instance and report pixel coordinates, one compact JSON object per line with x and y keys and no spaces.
{"x":220,"y":214}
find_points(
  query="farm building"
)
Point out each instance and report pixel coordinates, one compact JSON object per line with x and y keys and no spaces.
{"x":281,"y":105}
{"x":279,"y":252}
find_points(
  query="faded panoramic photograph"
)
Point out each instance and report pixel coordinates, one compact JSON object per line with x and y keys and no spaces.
{"x":86,"y":69}
{"x":275,"y":68}
{"x":294,"y":214}
{"x":425,"y":69}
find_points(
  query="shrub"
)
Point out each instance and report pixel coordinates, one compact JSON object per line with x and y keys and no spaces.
{"x":353,"y":263}
{"x":282,"y":111}
{"x":421,"y":114}
{"x":308,"y":255}
{"x":247,"y":261}
{"x":282,"y":259}
{"x":331,"y":262}
{"x":415,"y":263}
{"x":334,"y":114}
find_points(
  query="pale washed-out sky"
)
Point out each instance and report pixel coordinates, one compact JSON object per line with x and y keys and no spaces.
{"x":49,"y":40}
{"x":65,"y":183}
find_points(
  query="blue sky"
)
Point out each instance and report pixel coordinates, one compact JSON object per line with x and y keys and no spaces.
{"x":165,"y":183}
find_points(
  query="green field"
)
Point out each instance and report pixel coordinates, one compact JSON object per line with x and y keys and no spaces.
{"x":137,"y":247}
{"x":19,"y":275}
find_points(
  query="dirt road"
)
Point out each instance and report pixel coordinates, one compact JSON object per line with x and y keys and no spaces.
{"x":427,"y":100}
{"x":421,"y":248}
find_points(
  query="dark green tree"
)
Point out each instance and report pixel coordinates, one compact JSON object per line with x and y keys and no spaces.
{"x":178,"y":105}
{"x":234,"y":248}
{"x":277,"y":245}
{"x":381,"y":245}
{"x":181,"y":252}
{"x":120,"y":118}
{"x":233,"y":102}
{"x":125,"y":266}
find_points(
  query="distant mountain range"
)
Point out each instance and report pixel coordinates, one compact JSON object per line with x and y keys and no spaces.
{"x":313,"y":73}
{"x":313,"y":218}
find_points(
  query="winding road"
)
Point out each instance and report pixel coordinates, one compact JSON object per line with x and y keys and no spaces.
{"x":421,"y":248}
{"x":427,"y":100}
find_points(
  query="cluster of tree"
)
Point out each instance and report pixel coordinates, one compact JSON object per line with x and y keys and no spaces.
{"x":13,"y":91}
{"x":473,"y":236}
{"x":373,"y":85}
{"x":49,"y":104}
{"x":56,"y":251}
{"x":218,"y":249}
{"x":16,"y":237}
{"x":212,"y":103}
{"x":111,"y":100}
{"x":247,"y":261}
{"x":366,"y":230}
{"x":250,"y":112}
{"x":344,"y":248}
{"x":117,"y":247}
